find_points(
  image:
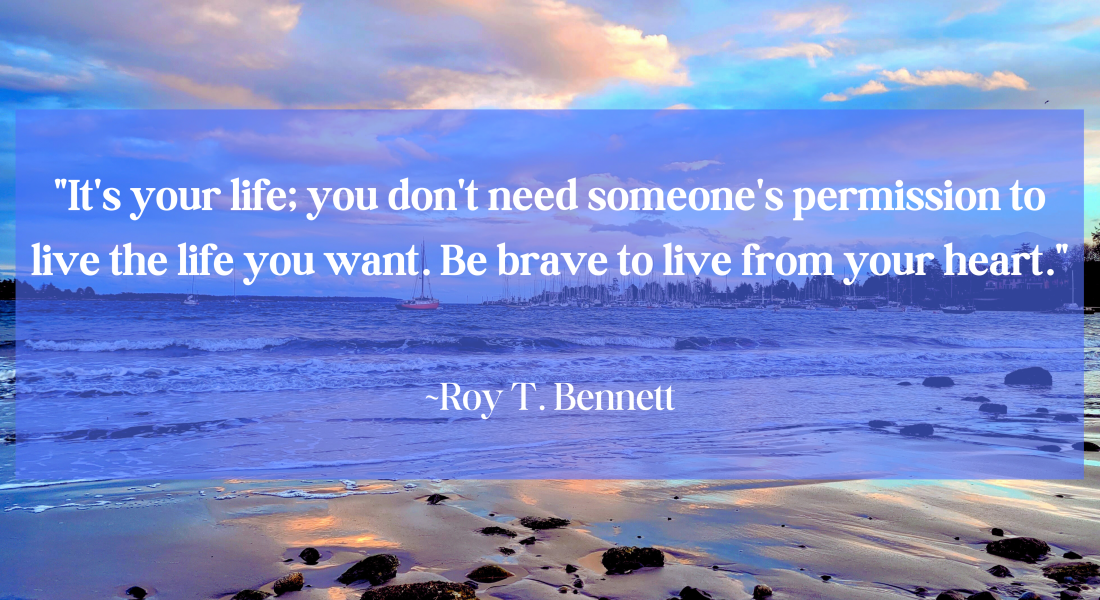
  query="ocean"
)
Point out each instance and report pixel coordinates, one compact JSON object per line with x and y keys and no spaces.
{"x":115,"y":389}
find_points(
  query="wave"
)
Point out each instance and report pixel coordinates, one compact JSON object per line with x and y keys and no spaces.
{"x":200,"y":344}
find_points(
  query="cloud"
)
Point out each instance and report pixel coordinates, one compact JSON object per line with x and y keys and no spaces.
{"x":28,"y":80}
{"x":547,"y":52}
{"x":642,"y":228}
{"x":795,"y":50}
{"x":689,"y":166}
{"x":941,"y":77}
{"x":680,"y":106}
{"x":827,"y":19}
{"x":229,"y":95}
{"x":973,"y":9}
{"x":871,"y":87}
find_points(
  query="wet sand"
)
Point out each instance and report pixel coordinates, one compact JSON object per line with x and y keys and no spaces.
{"x":874,"y":539}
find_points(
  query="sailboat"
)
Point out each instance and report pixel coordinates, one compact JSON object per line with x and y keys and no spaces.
{"x":234,"y":300}
{"x":191,"y":299}
{"x":421,"y":302}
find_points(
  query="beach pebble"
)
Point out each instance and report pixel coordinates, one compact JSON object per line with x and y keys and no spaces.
{"x":570,"y":569}
{"x":1029,"y":376}
{"x":938,"y":382}
{"x":577,"y":583}
{"x":904,"y":383}
{"x":425,"y":590}
{"x":690,"y":593}
{"x":997,"y":531}
{"x":291,"y":583}
{"x":1086,"y":446}
{"x":543,"y":522}
{"x":993,"y":408}
{"x":1050,"y":448}
{"x":494,"y":530}
{"x":826,"y":577}
{"x":528,"y":541}
{"x":564,"y":589}
{"x":437,"y":498}
{"x":376,"y":569}
{"x":1071,"y":555}
{"x":506,"y":551}
{"x":631,"y":558}
{"x":1025,"y":549}
{"x":1070,"y":572}
{"x":137,"y":592}
{"x":250,"y":595}
{"x":310,"y":556}
{"x":761,"y":591}
{"x":999,"y":571}
{"x":489,"y":574}
{"x":876,"y":424}
{"x":918,"y":430}
{"x":950,"y":595}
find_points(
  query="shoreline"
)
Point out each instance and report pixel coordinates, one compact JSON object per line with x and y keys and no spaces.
{"x":210,"y":539}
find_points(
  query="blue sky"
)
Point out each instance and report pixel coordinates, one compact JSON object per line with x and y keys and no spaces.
{"x":547,"y":54}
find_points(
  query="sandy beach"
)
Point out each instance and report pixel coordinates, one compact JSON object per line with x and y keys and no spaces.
{"x":855,"y":539}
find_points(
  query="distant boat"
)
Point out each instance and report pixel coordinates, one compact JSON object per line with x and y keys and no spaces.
{"x":424,"y":301}
{"x":957,"y":310}
{"x":234,"y":300}
{"x":891,"y":307}
{"x":191,"y":299}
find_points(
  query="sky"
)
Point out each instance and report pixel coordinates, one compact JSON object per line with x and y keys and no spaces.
{"x":548,"y":54}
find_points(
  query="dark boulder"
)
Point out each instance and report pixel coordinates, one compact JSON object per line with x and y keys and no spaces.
{"x":570,"y":569}
{"x":489,"y":574}
{"x":543,"y":522}
{"x":1050,"y":448}
{"x":938,"y":382}
{"x":436,"y":499}
{"x":876,"y":424}
{"x":426,"y":590}
{"x":1071,"y":555}
{"x":976,"y":399}
{"x":310,"y":556}
{"x":918,"y":430}
{"x":999,"y":571}
{"x":1041,"y":411}
{"x":136,"y":592}
{"x":291,"y":583}
{"x":994,"y":409}
{"x":1030,"y":376}
{"x":761,"y":591}
{"x":904,"y":383}
{"x":1086,"y":446}
{"x":1078,"y":572}
{"x":690,"y":593}
{"x":377,"y":569}
{"x":624,"y":560}
{"x":951,"y":595}
{"x":997,"y":531}
{"x":494,"y":530}
{"x":1020,"y":548}
{"x":1068,"y":595}
{"x":250,"y":595}
{"x":983,"y":595}
{"x":528,"y":541}
{"x":1065,"y":418}
{"x":506,"y":551}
